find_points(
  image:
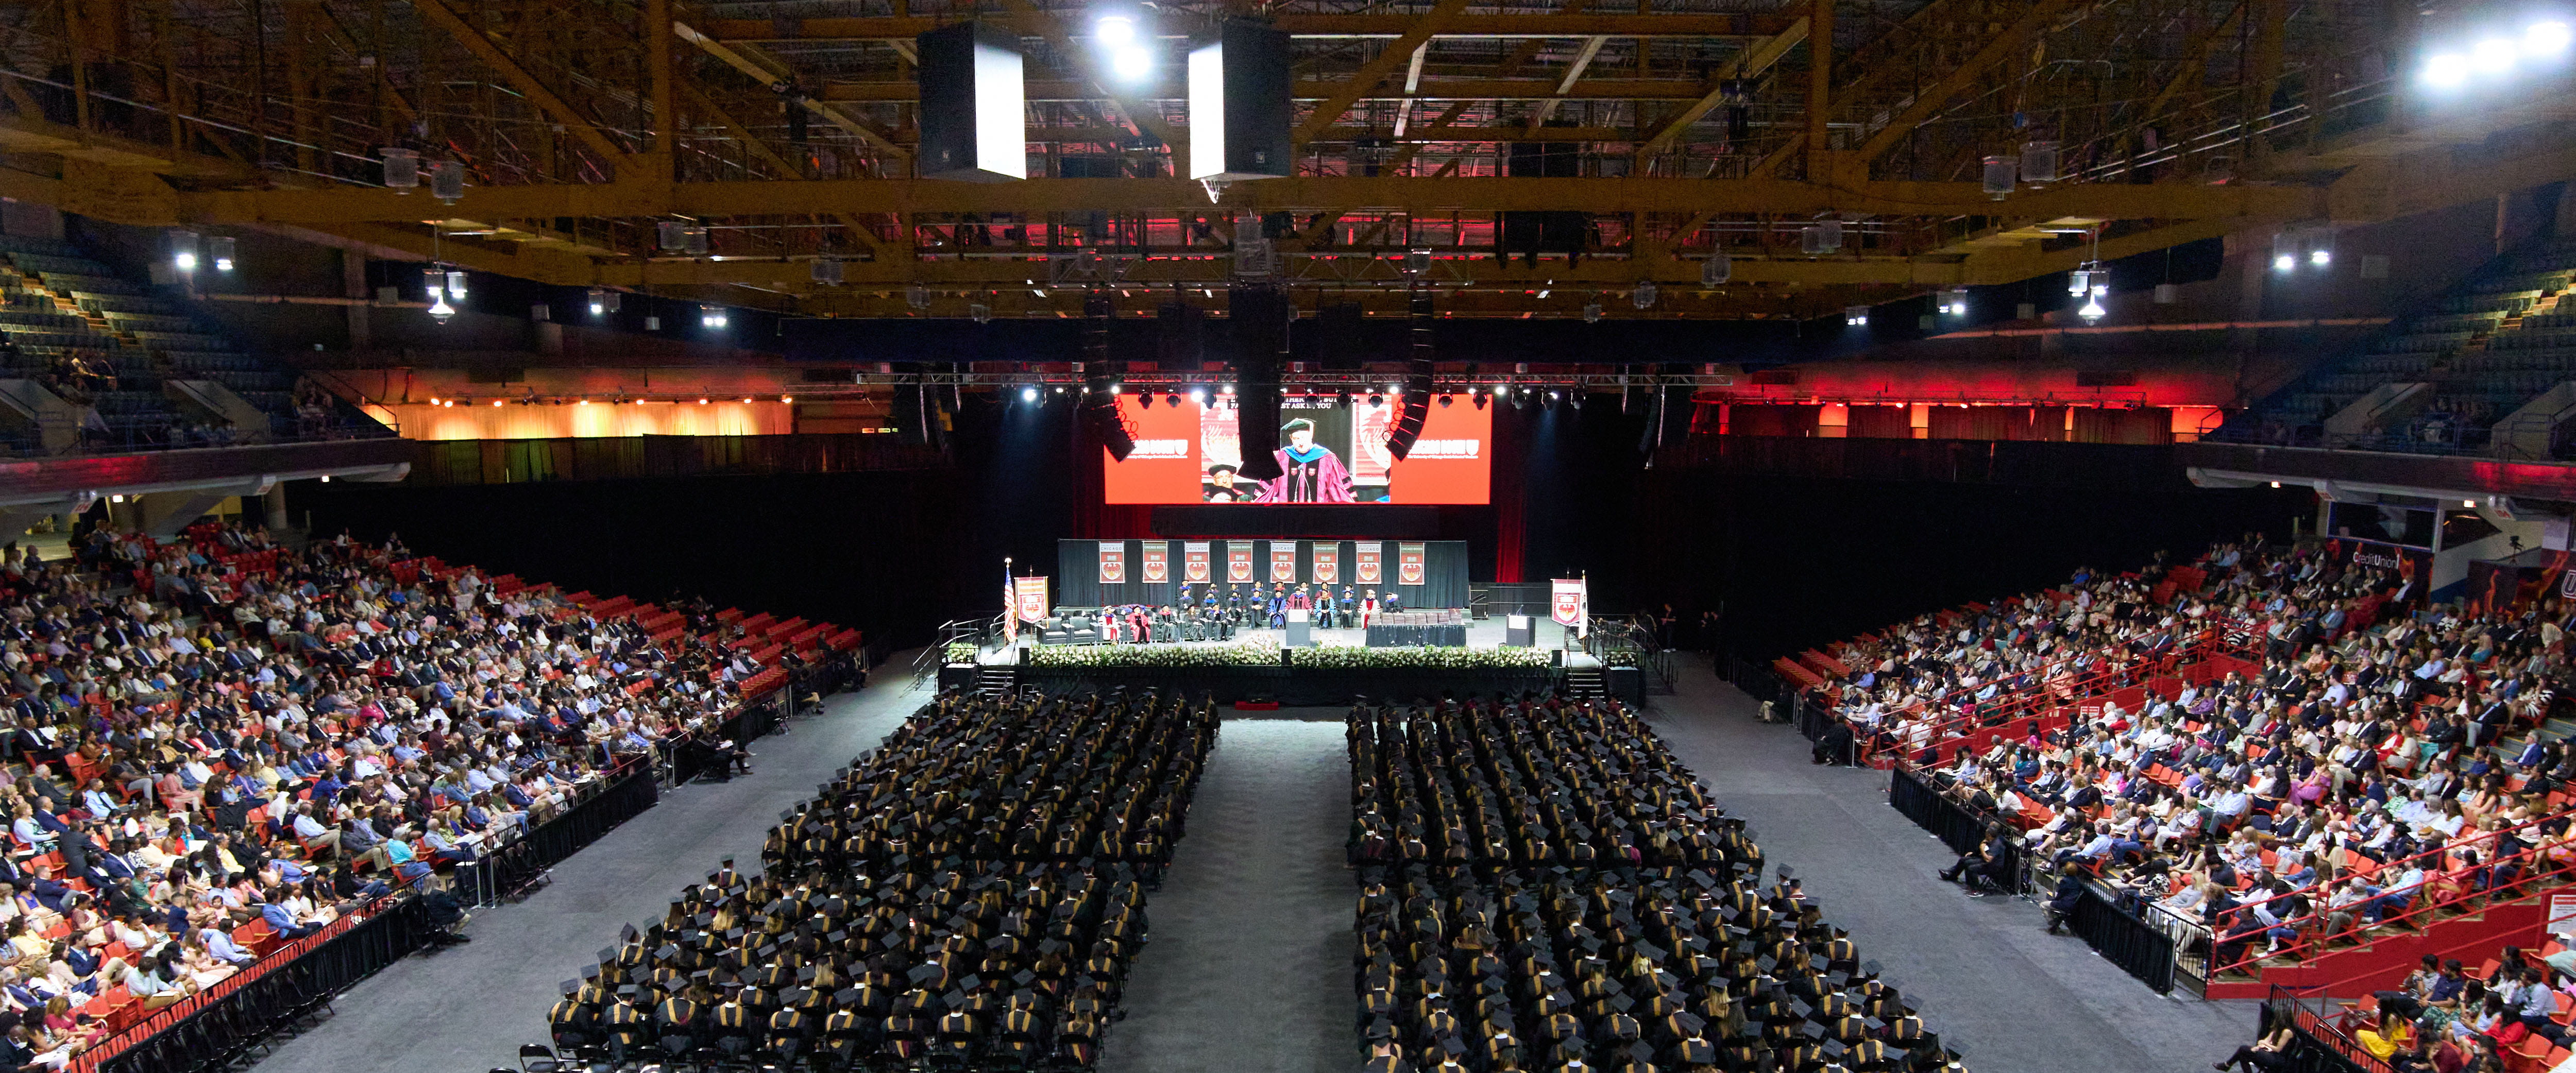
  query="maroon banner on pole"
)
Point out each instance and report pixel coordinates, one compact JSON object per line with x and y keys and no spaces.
{"x":1194,"y":562}
{"x":1113,"y":562}
{"x":1283,"y":561}
{"x":1370,"y":555}
{"x":1328,"y":562}
{"x":1238,"y":562}
{"x":1158,"y":568}
{"x":1032,"y":598}
{"x":1408,"y":564}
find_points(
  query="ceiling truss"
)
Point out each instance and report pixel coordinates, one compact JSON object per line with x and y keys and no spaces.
{"x":1696,"y":128}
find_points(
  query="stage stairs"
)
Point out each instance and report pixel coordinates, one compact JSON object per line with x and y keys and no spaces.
{"x":996,"y":679}
{"x":1586,"y":683}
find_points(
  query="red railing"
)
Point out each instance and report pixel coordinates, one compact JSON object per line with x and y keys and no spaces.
{"x":2534,"y":875}
{"x":2046,"y":697}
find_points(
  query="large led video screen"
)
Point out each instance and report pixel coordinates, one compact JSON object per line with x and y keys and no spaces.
{"x":1329,"y":452}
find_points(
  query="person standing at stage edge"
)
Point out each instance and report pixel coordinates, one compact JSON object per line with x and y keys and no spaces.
{"x":1308,"y":472}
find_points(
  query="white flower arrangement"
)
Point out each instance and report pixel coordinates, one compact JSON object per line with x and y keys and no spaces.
{"x":1353,"y":657}
{"x":1246,"y":654}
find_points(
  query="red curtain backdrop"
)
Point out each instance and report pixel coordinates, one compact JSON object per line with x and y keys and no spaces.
{"x":1881,"y":422}
{"x":1511,"y":494}
{"x":2048,"y":423}
{"x":1978,"y":422}
{"x":2151,"y":424}
{"x":1760,"y":419}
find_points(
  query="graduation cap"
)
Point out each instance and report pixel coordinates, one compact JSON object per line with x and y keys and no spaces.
{"x":667,"y":950}
{"x":1690,"y":1022}
{"x":1023,"y":977}
{"x":568,"y":986}
{"x":1800,"y":1007}
{"x":703,"y":976}
{"x":1621,"y":1003}
{"x":845,"y":996}
{"x":609,"y":953}
{"x":1874,"y":1025}
{"x":1453,"y":1045}
{"x":795,"y":995}
{"x":626,"y":933}
{"x":1811,"y":1030}
{"x":590,"y":972}
{"x":1818,"y":962}
{"x":919,"y":973}
{"x":1766,"y":962}
{"x":1869,"y":968}
{"x":805,"y":973}
{"x":628,"y":992}
{"x":1380,"y":1029}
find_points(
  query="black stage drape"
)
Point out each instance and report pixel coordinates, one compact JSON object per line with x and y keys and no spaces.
{"x":1077,"y":575}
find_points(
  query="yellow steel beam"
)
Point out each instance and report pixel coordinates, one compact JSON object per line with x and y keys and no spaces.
{"x":1375,"y":71}
{"x":2421,"y":182}
{"x":1573,"y":73}
{"x":770,"y":72}
{"x":1053,"y":24}
{"x":1303,"y":193}
{"x":1930,"y":100}
{"x":849,"y":224}
{"x":1749,"y":63}
{"x":1327,"y":88}
{"x":494,"y":56}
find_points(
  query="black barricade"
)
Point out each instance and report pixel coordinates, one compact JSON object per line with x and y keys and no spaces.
{"x":1787,"y":702}
{"x":549,"y":843}
{"x":2121,"y":938}
{"x":1812,"y":717}
{"x":216,"y":1034}
{"x":1957,"y":826}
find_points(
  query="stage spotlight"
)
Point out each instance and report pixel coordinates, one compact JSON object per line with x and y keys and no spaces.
{"x":1553,"y":396}
{"x":1377,"y":400}
{"x":1576,"y":400}
{"x":1144,"y":401}
{"x":2547,"y":38}
{"x":1198,"y":395}
{"x":1028,"y":394}
{"x":1479,"y":400}
{"x":1172,"y":400}
{"x":1444,"y":402}
{"x":1520,"y":400}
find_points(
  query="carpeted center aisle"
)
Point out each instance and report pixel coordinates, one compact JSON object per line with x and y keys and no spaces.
{"x":1249,"y":970}
{"x":469,"y":1008}
{"x":2013,"y":998}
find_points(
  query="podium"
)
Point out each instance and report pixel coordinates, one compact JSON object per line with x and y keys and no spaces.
{"x":1517,"y":632}
{"x":1301,"y":627}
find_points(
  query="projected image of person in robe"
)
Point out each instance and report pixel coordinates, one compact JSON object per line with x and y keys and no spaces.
{"x":1221,"y":487}
{"x":1309,"y":472}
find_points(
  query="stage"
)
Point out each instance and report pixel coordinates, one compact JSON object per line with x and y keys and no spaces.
{"x":1481,"y":633}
